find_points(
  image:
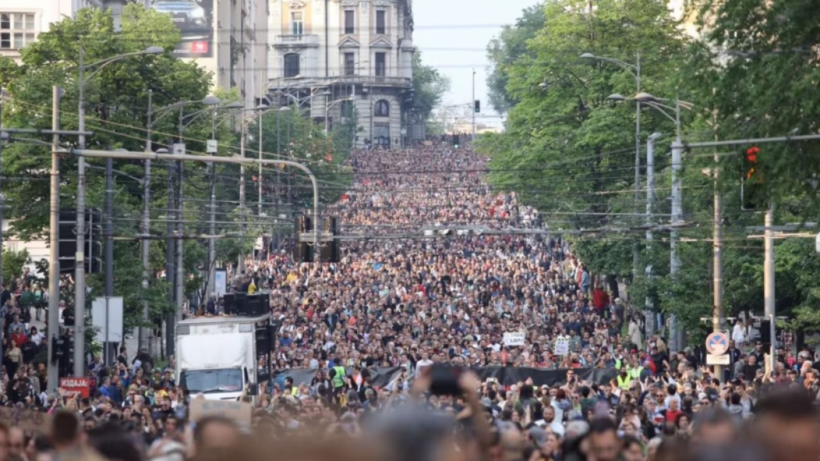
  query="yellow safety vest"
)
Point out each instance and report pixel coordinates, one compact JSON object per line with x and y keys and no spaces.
{"x":623,"y":383}
{"x":635,"y":373}
{"x":339,"y":379}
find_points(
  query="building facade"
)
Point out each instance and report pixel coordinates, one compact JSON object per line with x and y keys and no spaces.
{"x":21,"y":21}
{"x":226,"y":37}
{"x":335,"y":58}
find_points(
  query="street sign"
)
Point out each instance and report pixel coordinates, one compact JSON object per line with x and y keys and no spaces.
{"x":179,"y":148}
{"x":107,"y":319}
{"x":717,"y":343}
{"x":211,"y":146}
{"x":715,"y":359}
{"x":817,"y":243}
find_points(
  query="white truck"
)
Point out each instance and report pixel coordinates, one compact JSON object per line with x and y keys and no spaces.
{"x":219,"y":356}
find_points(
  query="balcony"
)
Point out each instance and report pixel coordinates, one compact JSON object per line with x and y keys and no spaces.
{"x":297,"y":41}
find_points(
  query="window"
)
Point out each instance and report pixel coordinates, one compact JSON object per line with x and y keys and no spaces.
{"x":382,"y":108}
{"x":381,"y":22}
{"x":16,"y":30}
{"x":350,"y":24}
{"x":291,"y":65}
{"x":350,"y":64}
{"x":381,"y":64}
{"x":297,"y":25}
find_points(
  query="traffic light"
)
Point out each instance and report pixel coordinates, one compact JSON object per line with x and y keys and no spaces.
{"x":477,"y":106}
{"x":752,"y":186}
{"x":330,"y":250}
{"x":302,"y":252}
{"x":67,"y":237}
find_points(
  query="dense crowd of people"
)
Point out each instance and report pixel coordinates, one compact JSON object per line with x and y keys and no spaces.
{"x":453,"y":278}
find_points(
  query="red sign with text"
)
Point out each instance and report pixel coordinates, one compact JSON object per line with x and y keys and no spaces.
{"x":75,"y":386}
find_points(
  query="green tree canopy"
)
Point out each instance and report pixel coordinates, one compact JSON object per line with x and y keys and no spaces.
{"x":504,"y":50}
{"x":429,"y":87}
{"x":116,"y":100}
{"x":567,"y":149}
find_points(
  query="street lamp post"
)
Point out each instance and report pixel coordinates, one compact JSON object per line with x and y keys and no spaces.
{"x":174,"y":277}
{"x":677,"y":185}
{"x":79,"y":270}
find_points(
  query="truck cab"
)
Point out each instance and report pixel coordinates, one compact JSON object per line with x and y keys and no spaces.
{"x":221,"y":356}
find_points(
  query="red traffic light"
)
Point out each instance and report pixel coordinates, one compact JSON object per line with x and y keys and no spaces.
{"x":751,"y":154}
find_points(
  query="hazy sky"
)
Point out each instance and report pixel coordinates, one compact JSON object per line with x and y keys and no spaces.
{"x":453,"y":35}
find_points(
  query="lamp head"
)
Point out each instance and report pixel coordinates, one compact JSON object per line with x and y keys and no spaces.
{"x":588,"y":56}
{"x":327,"y":93}
{"x":235,"y":105}
{"x":154,"y":50}
{"x":616,"y":97}
{"x":210,"y":100}
{"x":284,"y":109}
{"x":645,"y":97}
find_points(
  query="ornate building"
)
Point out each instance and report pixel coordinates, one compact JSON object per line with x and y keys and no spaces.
{"x":331,"y":56}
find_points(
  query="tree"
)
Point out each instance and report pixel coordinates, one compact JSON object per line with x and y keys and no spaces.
{"x":116,"y":101}
{"x":291,"y":134}
{"x":759,"y":67}
{"x":569,"y":151}
{"x":505,"y":50}
{"x":429,"y":87}
{"x":13,"y":264}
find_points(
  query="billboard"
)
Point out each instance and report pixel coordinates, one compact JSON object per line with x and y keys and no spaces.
{"x":195,"y":19}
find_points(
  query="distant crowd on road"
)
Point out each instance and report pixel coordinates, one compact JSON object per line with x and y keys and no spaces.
{"x":417,"y":304}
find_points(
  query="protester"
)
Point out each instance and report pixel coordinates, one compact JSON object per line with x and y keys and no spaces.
{"x":446,"y":269}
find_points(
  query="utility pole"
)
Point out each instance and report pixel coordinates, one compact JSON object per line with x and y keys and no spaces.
{"x":170,"y":273}
{"x":146,"y":225}
{"x":473,"y":137}
{"x":180,"y":268}
{"x":278,"y":174}
{"x":650,"y":199}
{"x":240,"y":268}
{"x":212,"y":242}
{"x":54,"y":243}
{"x":717,"y":249}
{"x":259,"y":122}
{"x":677,"y":207}
{"x":768,"y":280}
{"x":636,"y":252}
{"x":79,"y":260}
{"x":109,"y":249}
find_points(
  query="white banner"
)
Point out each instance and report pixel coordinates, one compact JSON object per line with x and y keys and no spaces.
{"x":514,"y":338}
{"x":562,"y":346}
{"x":221,"y":282}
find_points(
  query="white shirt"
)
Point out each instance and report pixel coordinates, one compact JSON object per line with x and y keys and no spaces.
{"x":421,"y":364}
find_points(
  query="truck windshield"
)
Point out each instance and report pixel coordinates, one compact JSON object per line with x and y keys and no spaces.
{"x":209,"y":381}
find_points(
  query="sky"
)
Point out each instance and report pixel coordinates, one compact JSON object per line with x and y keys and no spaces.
{"x":452,"y":36}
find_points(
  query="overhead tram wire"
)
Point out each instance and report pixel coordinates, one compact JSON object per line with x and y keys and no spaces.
{"x":309,"y":161}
